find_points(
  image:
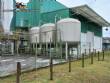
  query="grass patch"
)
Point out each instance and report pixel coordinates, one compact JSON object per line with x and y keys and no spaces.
{"x":99,"y":72}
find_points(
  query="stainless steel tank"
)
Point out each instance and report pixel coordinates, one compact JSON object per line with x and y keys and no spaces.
{"x":47,"y":32}
{"x":69,"y":29}
{"x":34,"y":34}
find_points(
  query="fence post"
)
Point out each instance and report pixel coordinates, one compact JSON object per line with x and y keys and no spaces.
{"x":89,"y":52}
{"x":98,"y":56}
{"x":51,"y":64}
{"x":85,"y":51}
{"x":103,"y":55}
{"x":92,"y":58}
{"x":95,"y":52}
{"x":18,"y":72}
{"x":51,"y":68}
{"x":69,"y":63}
{"x":82,"y":60}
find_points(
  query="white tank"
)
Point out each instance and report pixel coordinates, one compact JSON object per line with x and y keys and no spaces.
{"x":7,"y":6}
{"x":34,"y":34}
{"x":47,"y":32}
{"x":68,"y":30}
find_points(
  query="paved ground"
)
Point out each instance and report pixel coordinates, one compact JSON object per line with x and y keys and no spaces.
{"x":8,"y":64}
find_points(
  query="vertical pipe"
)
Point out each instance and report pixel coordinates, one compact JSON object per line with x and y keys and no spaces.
{"x":61,"y":47}
{"x":17,"y":47}
{"x":46,"y":48}
{"x":36,"y":53}
{"x":50,"y":49}
{"x":66,"y":50}
{"x":56,"y":38}
{"x":60,"y":44}
{"x":56,"y":48}
{"x":79,"y":50}
{"x":45,"y":45}
{"x":12,"y":48}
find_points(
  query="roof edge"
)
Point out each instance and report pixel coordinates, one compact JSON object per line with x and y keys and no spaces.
{"x":106,"y":24}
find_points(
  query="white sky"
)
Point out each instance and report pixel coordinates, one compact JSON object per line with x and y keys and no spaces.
{"x":102,"y":7}
{"x":25,"y":1}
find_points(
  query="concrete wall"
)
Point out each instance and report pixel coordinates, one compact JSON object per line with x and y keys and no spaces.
{"x":89,"y":41}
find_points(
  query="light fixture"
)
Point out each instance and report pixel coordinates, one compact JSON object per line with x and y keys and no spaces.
{"x":106,"y":29}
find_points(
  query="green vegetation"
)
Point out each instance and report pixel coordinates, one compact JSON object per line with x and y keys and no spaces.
{"x":99,"y":72}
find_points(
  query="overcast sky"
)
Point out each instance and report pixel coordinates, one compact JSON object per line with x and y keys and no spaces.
{"x":102,"y":7}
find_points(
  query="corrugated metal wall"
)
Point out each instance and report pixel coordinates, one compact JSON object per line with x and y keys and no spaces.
{"x":91,"y":34}
{"x":87,"y":25}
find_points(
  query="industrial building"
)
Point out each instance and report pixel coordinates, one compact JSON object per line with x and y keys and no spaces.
{"x":70,"y":29}
{"x":106,"y":43}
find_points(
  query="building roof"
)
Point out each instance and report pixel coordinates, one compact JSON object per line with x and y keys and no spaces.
{"x":89,"y":13}
{"x":53,"y":6}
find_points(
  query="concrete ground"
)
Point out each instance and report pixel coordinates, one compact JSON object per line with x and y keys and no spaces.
{"x":28,"y":62}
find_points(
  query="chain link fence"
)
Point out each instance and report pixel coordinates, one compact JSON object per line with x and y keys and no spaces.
{"x":34,"y":50}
